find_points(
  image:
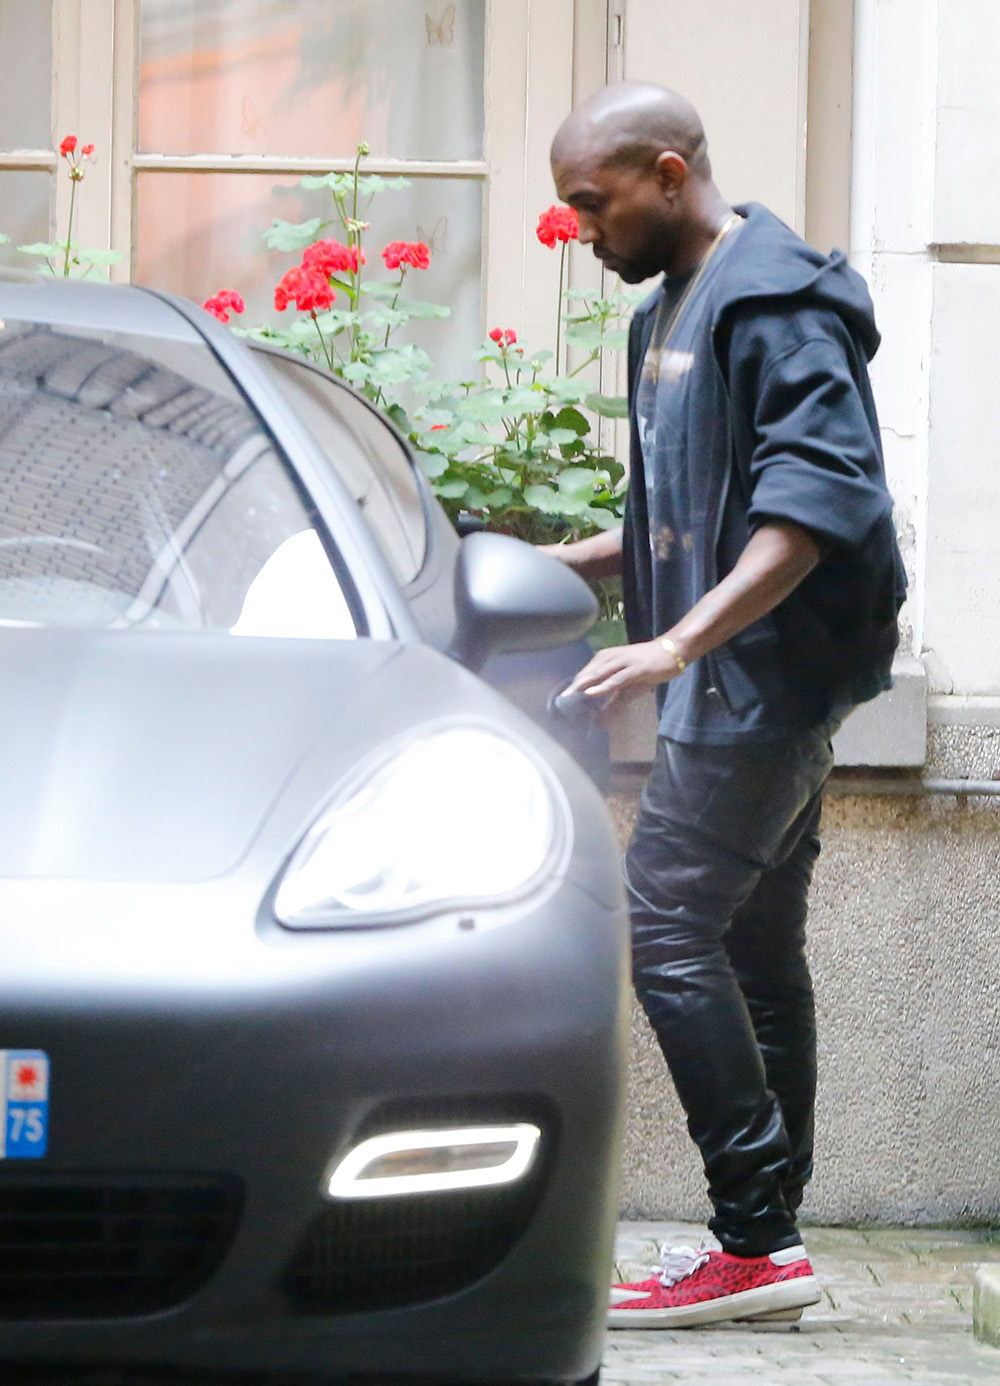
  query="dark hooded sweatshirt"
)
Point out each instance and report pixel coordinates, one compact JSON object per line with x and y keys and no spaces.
{"x":759,"y":407}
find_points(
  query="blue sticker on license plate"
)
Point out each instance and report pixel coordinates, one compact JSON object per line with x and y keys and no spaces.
{"x":24,"y":1104}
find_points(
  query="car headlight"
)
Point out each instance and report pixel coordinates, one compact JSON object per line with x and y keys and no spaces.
{"x":455,"y":816}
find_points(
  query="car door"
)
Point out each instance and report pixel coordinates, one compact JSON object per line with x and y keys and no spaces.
{"x":421,"y":546}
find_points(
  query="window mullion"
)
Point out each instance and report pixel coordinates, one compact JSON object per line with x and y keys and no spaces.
{"x":83,"y":62}
{"x":123,"y":136}
{"x":290,"y":164}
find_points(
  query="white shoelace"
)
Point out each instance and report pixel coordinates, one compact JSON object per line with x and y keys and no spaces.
{"x":678,"y":1262}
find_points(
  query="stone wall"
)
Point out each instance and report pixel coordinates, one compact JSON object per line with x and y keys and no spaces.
{"x":905,"y":951}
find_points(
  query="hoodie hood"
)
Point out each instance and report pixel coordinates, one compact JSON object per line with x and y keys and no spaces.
{"x":776,"y":263}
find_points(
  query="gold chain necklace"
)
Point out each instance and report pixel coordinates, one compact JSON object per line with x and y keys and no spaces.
{"x":728,"y":225}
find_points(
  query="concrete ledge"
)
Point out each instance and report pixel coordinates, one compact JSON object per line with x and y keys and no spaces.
{"x":891,"y":730}
{"x":986,"y":1305}
{"x":952,"y":709}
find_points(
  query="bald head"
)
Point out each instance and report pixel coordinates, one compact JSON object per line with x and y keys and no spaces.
{"x":632,"y":123}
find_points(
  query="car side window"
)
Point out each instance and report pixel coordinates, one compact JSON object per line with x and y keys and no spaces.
{"x":367,"y":457}
{"x":136,"y":494}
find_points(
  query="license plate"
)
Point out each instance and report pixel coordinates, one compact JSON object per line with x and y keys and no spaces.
{"x":24,"y":1104}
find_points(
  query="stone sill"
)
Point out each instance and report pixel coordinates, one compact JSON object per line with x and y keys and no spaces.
{"x":890,"y":731}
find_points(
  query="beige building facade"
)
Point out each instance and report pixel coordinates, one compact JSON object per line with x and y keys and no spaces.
{"x":873,"y":125}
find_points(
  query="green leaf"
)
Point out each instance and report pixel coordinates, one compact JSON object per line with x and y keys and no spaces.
{"x":522,"y":399}
{"x":616,"y":339}
{"x":475,"y":435}
{"x":544,"y":498}
{"x":414,"y":308}
{"x":371,"y":183}
{"x":610,"y":406}
{"x":433,"y":418}
{"x":43,"y":248}
{"x":377,"y":288}
{"x":559,"y":437}
{"x":357,"y":372}
{"x":397,"y":414}
{"x":435,"y":464}
{"x":566,"y":388}
{"x":487,"y":407}
{"x":589,"y":335}
{"x":394,"y":365}
{"x":451,"y":490}
{"x":476,"y":499}
{"x":503,"y":495}
{"x":384,"y":316}
{"x":577,"y":483}
{"x":3,"y":239}
{"x":603,"y":519}
{"x":439,"y":389}
{"x":99,"y":257}
{"x":540,"y":357}
{"x":573,"y":420}
{"x":336,"y":182}
{"x":287,"y":235}
{"x":336,"y":320}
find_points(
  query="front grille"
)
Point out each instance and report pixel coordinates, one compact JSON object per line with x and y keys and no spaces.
{"x":100,"y":1246}
{"x":381,"y":1253}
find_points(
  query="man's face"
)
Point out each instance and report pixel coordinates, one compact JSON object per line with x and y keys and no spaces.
{"x":624,"y":215}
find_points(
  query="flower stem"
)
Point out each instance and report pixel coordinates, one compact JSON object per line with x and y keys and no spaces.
{"x":69,"y":229}
{"x":322,"y":339}
{"x":392,"y":306}
{"x":583,"y":366}
{"x":559,"y":305}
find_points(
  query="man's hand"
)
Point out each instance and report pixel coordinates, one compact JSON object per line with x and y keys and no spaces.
{"x":597,"y":557}
{"x":623,"y":672}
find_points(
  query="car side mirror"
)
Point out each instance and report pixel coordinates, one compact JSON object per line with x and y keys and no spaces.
{"x":511,"y":598}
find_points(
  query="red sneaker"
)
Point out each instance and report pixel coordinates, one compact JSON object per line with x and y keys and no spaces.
{"x":695,"y":1287}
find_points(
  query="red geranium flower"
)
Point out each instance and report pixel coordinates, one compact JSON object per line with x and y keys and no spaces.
{"x":307,"y":287}
{"x":558,"y":224}
{"x":224,"y":302}
{"x":68,"y":145}
{"x":496,"y":335}
{"x":413,"y":253}
{"x":86,"y":151}
{"x":504,"y":337}
{"x":330,"y":257}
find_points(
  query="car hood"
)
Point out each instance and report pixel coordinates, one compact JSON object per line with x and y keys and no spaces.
{"x":156,"y":756}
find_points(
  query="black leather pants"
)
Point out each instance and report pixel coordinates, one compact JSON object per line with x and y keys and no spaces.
{"x":718,"y":871}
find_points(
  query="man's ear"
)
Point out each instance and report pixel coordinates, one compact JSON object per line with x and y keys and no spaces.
{"x":672,"y":171}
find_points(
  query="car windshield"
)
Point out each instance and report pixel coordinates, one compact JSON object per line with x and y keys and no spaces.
{"x":138,"y":490}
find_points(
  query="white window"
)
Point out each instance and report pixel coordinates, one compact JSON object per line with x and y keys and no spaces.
{"x":206,"y":113}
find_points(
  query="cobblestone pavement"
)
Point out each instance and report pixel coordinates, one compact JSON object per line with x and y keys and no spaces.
{"x":897,"y":1307}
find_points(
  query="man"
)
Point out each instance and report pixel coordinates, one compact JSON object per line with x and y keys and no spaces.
{"x":762,"y":583}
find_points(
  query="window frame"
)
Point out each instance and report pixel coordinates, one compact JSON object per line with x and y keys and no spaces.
{"x":541,"y":57}
{"x":355,"y":400}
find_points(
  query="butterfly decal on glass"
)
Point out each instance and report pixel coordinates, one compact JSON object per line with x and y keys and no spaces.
{"x":441,"y":31}
{"x":250,"y":123}
{"x":435,"y":238}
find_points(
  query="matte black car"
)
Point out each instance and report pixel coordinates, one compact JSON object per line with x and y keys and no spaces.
{"x":313,"y":986}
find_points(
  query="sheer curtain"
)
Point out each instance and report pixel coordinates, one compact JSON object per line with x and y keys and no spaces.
{"x":312,"y":79}
{"x":25,"y":121}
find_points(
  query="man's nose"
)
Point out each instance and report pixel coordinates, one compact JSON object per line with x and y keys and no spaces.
{"x":587,"y":230}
